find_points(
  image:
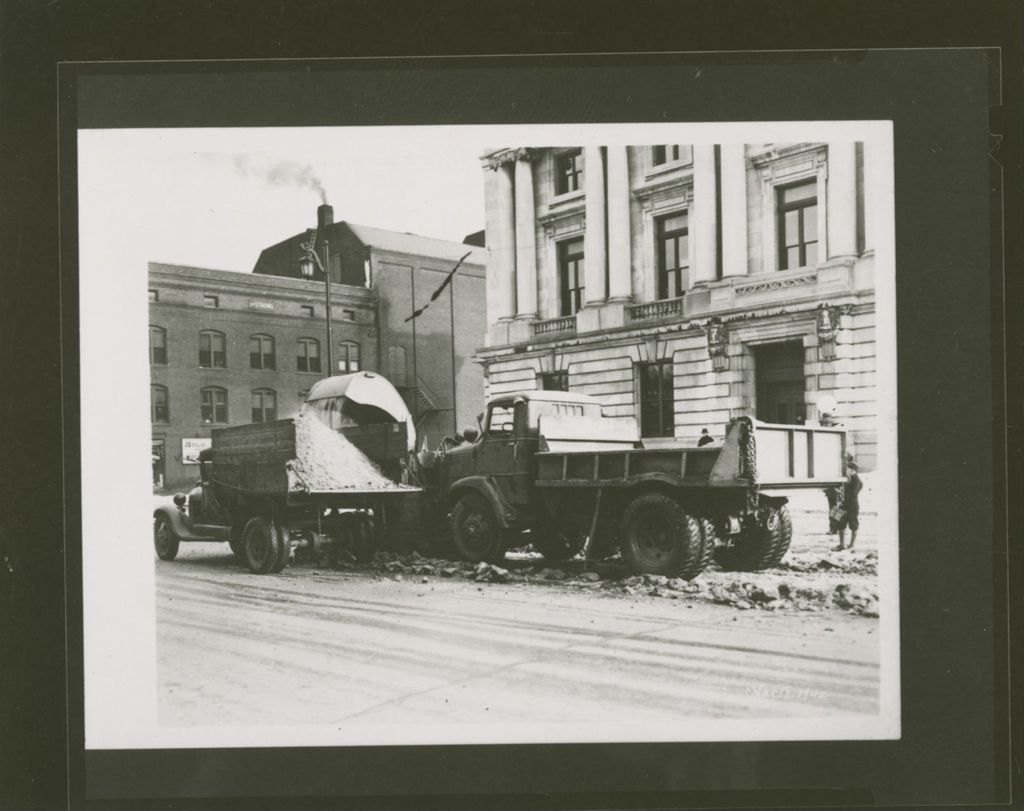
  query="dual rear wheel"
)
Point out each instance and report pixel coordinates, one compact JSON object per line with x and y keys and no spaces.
{"x":265,"y":546}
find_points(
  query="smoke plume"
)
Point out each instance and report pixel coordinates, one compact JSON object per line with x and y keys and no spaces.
{"x":280,"y":173}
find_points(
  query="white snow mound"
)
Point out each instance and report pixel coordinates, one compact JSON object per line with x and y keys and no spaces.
{"x":327,"y":462}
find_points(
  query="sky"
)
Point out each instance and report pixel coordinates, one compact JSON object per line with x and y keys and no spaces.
{"x":215,"y":198}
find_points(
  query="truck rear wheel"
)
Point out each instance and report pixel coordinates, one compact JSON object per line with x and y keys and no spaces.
{"x":760,"y":547}
{"x":475,"y":531}
{"x":264,"y":545}
{"x":165,"y":539}
{"x":784,"y":538}
{"x":659,"y":537}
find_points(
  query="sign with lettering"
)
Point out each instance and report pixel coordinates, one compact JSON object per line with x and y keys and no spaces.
{"x":190,"y":447}
{"x":261,"y":305}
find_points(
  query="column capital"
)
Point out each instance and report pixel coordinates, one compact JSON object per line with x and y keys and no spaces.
{"x":501,"y":157}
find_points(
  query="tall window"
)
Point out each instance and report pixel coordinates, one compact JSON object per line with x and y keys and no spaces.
{"x":157,"y":346}
{"x":570,"y":271}
{"x":348,"y":357}
{"x":657,"y":399}
{"x":309,"y":355}
{"x":261,"y":352}
{"x":673,"y":235}
{"x":213,"y":404}
{"x":660,"y":155}
{"x":798,"y":225}
{"x":264,"y":405}
{"x":554,"y":381}
{"x":212,"y":349}
{"x":158,"y":406}
{"x":568,"y":171}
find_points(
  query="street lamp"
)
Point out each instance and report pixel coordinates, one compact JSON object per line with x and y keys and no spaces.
{"x":310,"y":260}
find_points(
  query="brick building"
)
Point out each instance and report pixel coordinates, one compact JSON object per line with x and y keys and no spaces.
{"x":686,"y":284}
{"x":403,"y":271}
{"x":228,"y":348}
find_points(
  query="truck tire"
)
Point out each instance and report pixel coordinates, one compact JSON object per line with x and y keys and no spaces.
{"x":710,"y":539}
{"x":758,"y":548}
{"x":785,"y":536}
{"x":284,"y":552}
{"x":236,"y":540}
{"x":475,"y":531}
{"x":659,"y":537}
{"x":263,"y":545}
{"x":165,"y":539}
{"x":554,"y":544}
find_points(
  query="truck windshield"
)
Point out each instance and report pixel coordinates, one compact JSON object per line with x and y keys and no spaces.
{"x":500,"y":421}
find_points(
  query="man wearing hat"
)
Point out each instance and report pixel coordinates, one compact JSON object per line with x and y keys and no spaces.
{"x":851,"y":506}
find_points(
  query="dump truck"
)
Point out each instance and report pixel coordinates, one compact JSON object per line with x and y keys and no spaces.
{"x":332,"y":472}
{"x":549,"y":469}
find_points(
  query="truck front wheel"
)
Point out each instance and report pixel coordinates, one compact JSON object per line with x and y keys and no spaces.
{"x":264,"y":545}
{"x":165,"y":540}
{"x":659,"y":537}
{"x":475,"y":530}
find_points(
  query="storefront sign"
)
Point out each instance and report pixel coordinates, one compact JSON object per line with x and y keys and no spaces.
{"x":190,"y":449}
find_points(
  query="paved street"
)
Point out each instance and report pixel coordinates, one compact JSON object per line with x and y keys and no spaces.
{"x":313,"y":646}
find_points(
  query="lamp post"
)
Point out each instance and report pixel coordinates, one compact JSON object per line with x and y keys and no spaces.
{"x":310,"y":260}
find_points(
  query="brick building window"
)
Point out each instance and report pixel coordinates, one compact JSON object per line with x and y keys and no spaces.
{"x":213,"y":404}
{"x":568,"y":171}
{"x":264,"y":405}
{"x":673,"y":235}
{"x":798,"y":225}
{"x":158,"y":404}
{"x":154,"y":296}
{"x":554,"y":381}
{"x":657,"y":399}
{"x":307,"y":310}
{"x":212,"y":350}
{"x":570,"y":273}
{"x":308,"y":359}
{"x":348,"y":357}
{"x":211,"y":302}
{"x":157,"y":346}
{"x":261,"y":352}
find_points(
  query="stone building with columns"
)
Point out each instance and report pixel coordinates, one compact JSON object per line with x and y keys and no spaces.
{"x":686,"y":285}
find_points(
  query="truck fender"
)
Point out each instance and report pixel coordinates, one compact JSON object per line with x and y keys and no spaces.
{"x":485,"y":488}
{"x":177,"y":520}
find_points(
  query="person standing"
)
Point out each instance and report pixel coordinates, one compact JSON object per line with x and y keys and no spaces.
{"x":851,"y":507}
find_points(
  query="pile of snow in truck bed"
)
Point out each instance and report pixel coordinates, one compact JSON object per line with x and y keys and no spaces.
{"x":327,"y":462}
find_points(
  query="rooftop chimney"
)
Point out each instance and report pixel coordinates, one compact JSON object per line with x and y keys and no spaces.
{"x":324,"y":216}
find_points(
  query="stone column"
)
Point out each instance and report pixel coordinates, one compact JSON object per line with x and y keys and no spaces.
{"x":620,"y":275}
{"x":842,"y":199}
{"x":734,"y":210}
{"x":504,"y":250}
{"x":595,"y":256}
{"x":871,"y":202}
{"x":526,"y":248}
{"x":703,"y":219}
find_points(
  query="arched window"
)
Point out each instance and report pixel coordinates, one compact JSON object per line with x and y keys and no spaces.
{"x":157,"y":346}
{"x":212,"y":349}
{"x":348,"y":357}
{"x":308,"y":359}
{"x":264,"y":405}
{"x":159,"y":408}
{"x":261,"y":352}
{"x":213,"y":404}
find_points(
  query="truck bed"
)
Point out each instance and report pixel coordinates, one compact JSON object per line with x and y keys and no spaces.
{"x":253,"y":458}
{"x":776,"y":457}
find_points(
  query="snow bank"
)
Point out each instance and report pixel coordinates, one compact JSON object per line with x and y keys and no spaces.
{"x":327,"y":462}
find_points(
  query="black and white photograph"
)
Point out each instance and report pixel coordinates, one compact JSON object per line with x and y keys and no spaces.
{"x":481,"y":434}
